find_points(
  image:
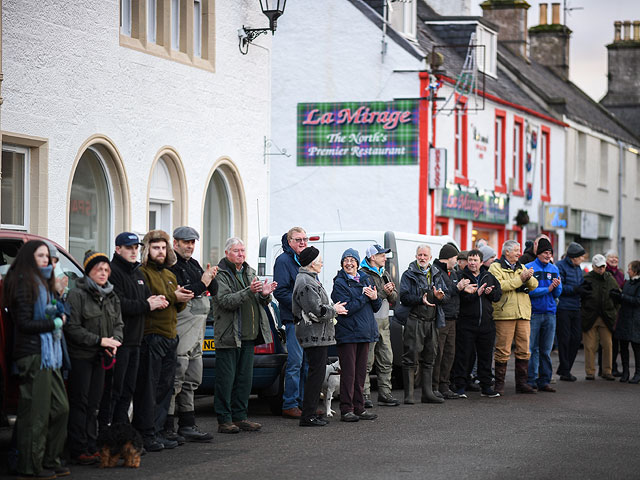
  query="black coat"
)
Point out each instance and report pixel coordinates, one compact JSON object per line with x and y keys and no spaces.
{"x":450,"y":308}
{"x":477,"y":310}
{"x":628,"y":327}
{"x":189,"y":273}
{"x":414,"y":284}
{"x":130,"y":287}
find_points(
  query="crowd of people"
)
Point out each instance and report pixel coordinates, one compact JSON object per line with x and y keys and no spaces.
{"x":131,"y":332}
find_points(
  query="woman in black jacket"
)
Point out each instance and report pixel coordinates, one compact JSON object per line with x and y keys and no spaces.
{"x":628,"y":327}
{"x":41,"y":426}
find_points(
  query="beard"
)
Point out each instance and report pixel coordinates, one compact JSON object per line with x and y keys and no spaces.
{"x":159,"y":259}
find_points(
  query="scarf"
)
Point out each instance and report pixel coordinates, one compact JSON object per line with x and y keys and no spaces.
{"x":365,"y":263}
{"x":45,"y":308}
{"x":102,"y":291}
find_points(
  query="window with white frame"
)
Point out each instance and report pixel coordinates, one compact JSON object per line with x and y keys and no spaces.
{"x":175,"y":24}
{"x":487,"y":56}
{"x":197,"y":28}
{"x":152,"y":20}
{"x":545,"y":192}
{"x":603,"y":180}
{"x":499,"y":151}
{"x":402,"y":14}
{"x":125,"y":17}
{"x":518,"y":173}
{"x":459,"y":144}
{"x":14,"y":197}
{"x":581,"y":158}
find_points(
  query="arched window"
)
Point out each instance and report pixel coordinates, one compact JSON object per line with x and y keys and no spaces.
{"x":90,"y":207}
{"x":160,"y":198}
{"x":223,"y":213}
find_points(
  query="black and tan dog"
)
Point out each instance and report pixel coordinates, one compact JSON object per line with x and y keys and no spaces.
{"x":120,"y":441}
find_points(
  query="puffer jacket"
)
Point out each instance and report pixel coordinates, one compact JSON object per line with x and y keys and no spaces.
{"x":414,"y":284}
{"x":514,"y":303}
{"x":310,"y":297}
{"x":450,"y":308}
{"x":228,"y":303}
{"x":628,"y":327}
{"x":477,"y":310}
{"x":285,"y":272}
{"x":543,"y":300}
{"x":571,"y":277}
{"x":380,"y":279}
{"x":359,"y":325}
{"x":91,"y":317}
{"x":599,"y":303}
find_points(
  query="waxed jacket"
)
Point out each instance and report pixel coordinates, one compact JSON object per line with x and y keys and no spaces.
{"x":228,"y":303}
{"x":477,"y":310}
{"x":514,"y":303}
{"x":450,"y":308}
{"x":571,"y":277}
{"x":543,"y":300}
{"x":285,"y":271}
{"x":598,"y":303}
{"x":628,"y":327}
{"x":91,"y":317}
{"x":314,"y":328}
{"x":130,"y":286}
{"x":359,"y":325}
{"x":414,"y":284}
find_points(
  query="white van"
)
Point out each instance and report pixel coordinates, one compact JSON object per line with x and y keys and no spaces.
{"x":333,"y":244}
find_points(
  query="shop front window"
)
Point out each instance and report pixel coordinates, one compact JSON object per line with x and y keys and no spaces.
{"x":218,"y":215}
{"x":90,"y":208}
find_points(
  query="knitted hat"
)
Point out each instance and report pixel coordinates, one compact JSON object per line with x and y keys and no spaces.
{"x":91,"y":259}
{"x":350,"y":252}
{"x":487,"y":252}
{"x":575,"y":250}
{"x":308,"y":255}
{"x":53,"y":251}
{"x":543,"y":246}
{"x":447,"y":251}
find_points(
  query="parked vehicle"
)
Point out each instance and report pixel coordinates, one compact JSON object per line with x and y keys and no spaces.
{"x":268,"y":364}
{"x":10,"y":243}
{"x":332,"y":244}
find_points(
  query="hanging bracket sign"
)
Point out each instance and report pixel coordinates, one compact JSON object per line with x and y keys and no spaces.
{"x":437,"y":168}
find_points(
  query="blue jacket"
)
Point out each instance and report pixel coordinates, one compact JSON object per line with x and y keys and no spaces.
{"x":572,"y":278}
{"x":543,"y":301}
{"x":285,"y":271}
{"x":359,"y":325}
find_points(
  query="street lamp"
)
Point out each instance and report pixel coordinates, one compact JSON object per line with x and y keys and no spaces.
{"x":272,"y":9}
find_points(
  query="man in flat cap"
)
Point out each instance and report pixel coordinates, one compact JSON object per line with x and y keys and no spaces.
{"x":191,"y":326}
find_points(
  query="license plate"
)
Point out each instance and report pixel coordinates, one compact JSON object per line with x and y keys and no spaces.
{"x":208,"y":345}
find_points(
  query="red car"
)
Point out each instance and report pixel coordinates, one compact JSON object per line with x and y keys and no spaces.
{"x":10,"y":243}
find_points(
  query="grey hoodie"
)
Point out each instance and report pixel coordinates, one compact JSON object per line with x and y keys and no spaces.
{"x":317,"y":328}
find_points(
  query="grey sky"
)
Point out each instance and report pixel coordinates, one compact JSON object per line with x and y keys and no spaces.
{"x":592,"y":31}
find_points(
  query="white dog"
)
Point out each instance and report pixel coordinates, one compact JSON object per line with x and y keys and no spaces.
{"x":331,"y":385}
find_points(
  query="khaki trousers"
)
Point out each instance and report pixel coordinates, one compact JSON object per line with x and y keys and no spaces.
{"x":599,"y":333}
{"x":380,"y":352}
{"x":506,"y":331}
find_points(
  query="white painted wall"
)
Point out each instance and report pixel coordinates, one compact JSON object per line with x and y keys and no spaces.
{"x":330,"y":52}
{"x":66,"y":78}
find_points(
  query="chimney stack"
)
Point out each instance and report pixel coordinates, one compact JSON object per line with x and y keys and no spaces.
{"x":550,"y":42}
{"x":511,"y":18}
{"x":623,"y":93}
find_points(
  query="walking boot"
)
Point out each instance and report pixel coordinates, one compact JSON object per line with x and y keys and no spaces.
{"x":170,"y":432}
{"x":625,"y":372}
{"x":522,"y":367}
{"x":500,"y":373}
{"x":636,"y":377}
{"x":427,"y":393}
{"x":408,"y":377}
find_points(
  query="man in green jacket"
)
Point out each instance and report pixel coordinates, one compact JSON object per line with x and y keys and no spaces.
{"x":158,"y":357}
{"x":240,"y":322}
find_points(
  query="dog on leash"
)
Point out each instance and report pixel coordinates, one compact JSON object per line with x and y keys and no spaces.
{"x":331,"y":386}
{"x":118,"y":441}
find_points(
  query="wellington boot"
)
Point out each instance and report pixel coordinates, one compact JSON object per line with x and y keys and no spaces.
{"x":501,"y":372}
{"x":522,"y":386}
{"x":408,"y":378}
{"x":427,"y":392}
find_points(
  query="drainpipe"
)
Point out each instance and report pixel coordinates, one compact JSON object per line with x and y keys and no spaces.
{"x":621,"y":148}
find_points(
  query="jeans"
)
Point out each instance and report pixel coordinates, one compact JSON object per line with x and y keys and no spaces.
{"x":296,"y":370}
{"x":543,"y":329}
{"x":569,"y":332}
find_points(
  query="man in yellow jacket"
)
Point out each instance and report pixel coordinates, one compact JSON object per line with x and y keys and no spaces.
{"x":511,"y":315}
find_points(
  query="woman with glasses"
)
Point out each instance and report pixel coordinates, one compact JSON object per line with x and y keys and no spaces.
{"x":314,"y":316}
{"x":354,"y":332}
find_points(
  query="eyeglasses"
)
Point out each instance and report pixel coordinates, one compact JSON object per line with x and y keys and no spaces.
{"x":301,"y":240}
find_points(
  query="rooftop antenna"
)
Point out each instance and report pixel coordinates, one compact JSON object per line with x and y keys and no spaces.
{"x":568,"y":9}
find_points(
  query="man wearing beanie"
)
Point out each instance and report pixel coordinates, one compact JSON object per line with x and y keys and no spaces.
{"x":445,"y":263}
{"x":543,"y":317}
{"x":380,"y":352}
{"x":568,"y":320}
{"x":488,"y":255}
{"x":158,"y":350}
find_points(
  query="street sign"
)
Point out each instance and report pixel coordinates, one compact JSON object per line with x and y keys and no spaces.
{"x":437,"y":168}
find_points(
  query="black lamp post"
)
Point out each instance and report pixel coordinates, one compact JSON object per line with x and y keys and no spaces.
{"x":273,"y":9}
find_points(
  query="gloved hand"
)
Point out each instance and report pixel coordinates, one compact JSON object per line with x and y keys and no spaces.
{"x":616,"y":295}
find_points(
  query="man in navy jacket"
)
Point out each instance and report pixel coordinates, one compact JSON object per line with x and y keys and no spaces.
{"x":285,"y":271}
{"x":543,"y":316}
